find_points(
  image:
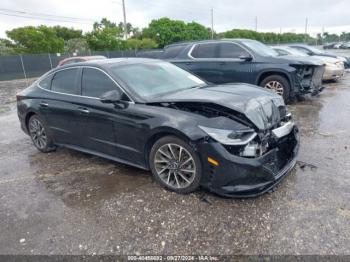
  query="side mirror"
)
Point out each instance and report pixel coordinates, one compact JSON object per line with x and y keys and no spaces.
{"x":111,"y":97}
{"x":246,"y":57}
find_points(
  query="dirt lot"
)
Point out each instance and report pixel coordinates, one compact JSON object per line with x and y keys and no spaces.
{"x":67,"y":202}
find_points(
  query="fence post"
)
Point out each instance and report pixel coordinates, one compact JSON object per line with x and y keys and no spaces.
{"x":50,"y":60}
{"x":24,"y":71}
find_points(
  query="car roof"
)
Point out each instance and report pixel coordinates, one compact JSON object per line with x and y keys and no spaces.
{"x":210,"y":41}
{"x":301,"y":45}
{"x":109,"y":62}
{"x":85,"y":57}
{"x":281,"y":47}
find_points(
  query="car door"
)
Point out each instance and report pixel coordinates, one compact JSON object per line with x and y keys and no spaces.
{"x":236,"y":64}
{"x":57,"y":106}
{"x":97,"y":119}
{"x":203,"y":62}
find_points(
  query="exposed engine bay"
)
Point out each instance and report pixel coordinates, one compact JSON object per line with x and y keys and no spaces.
{"x":256,"y":142}
{"x":309,"y":78}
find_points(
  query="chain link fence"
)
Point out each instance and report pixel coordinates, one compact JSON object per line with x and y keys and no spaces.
{"x":34,"y":65}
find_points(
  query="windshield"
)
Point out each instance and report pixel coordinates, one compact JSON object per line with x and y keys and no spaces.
{"x":315,"y":50}
{"x":312,"y":49}
{"x":260,"y":48}
{"x":155,"y":79}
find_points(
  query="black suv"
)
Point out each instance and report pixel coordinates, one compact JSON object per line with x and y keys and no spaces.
{"x":247,"y":61}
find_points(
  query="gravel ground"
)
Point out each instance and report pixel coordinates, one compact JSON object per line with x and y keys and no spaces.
{"x":68,"y":202}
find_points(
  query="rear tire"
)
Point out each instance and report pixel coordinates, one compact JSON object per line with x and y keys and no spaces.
{"x":278,"y":84}
{"x":175,"y":165}
{"x":42,"y":140}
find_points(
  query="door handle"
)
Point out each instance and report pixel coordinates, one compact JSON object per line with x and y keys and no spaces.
{"x":222,"y":63}
{"x":188,"y":63}
{"x":44,"y":104}
{"x":84,"y":110}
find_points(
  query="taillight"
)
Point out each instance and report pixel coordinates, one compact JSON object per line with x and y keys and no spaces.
{"x":18,"y":98}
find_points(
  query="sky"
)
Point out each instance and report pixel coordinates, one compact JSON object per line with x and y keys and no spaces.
{"x":272,"y":15}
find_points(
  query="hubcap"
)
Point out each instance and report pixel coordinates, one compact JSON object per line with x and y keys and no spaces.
{"x":38,"y":134}
{"x":275,"y":86}
{"x":175,"y":166}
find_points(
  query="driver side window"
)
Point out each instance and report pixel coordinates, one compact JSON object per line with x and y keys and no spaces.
{"x":231,"y":50}
{"x":95,"y":83}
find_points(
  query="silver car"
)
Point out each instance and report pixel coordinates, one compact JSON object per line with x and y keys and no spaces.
{"x":334,"y":67}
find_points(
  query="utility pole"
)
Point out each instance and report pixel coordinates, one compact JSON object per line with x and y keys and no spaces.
{"x":212,"y":22}
{"x":256,"y":24}
{"x":306,"y":25}
{"x":322,"y":35}
{"x":280,"y":36}
{"x":125,"y":25}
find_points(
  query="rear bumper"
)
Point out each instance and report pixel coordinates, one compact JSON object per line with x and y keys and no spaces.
{"x":23,"y":123}
{"x":240,"y":177}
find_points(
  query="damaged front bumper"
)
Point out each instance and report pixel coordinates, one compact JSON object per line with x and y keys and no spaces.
{"x":308,"y":80}
{"x":241,"y":177}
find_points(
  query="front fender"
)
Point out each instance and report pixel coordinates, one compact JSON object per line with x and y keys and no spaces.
{"x":287,"y":72}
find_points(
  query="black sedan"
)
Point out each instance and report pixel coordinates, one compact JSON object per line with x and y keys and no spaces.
{"x":235,"y":140}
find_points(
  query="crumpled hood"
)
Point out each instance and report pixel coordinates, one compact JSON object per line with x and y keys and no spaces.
{"x":260,"y":106}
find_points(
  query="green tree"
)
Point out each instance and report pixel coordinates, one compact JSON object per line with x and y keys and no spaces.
{"x":269,"y":37}
{"x":129,"y":28}
{"x":6,"y":47}
{"x":67,"y":33}
{"x":329,"y":38}
{"x":195,"y":31}
{"x":166,"y":31}
{"x":41,"y":39}
{"x":76,"y":45}
{"x":136,"y":33}
{"x":137,"y":44}
{"x":105,"y":36}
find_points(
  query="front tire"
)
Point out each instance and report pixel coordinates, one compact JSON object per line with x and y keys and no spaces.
{"x":175,"y":165}
{"x":39,"y":135}
{"x":279,"y":84}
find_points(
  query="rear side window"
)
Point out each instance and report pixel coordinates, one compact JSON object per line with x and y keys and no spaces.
{"x":208,"y":50}
{"x":172,"y":51}
{"x":46,"y":82}
{"x":230,"y":50}
{"x":95,"y":83}
{"x":65,"y":81}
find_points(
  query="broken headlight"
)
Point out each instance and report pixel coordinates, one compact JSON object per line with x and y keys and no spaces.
{"x":230,"y":137}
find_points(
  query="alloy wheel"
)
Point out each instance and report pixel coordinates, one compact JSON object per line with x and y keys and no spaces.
{"x":275,"y":86}
{"x":175,"y":166}
{"x":37,"y":133}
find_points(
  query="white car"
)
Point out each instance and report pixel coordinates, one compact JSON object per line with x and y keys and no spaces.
{"x":334,"y":67}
